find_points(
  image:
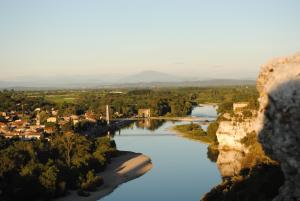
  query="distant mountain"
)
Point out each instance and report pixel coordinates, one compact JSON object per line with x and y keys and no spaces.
{"x":146,"y":79}
{"x":205,"y":83}
{"x":151,"y":76}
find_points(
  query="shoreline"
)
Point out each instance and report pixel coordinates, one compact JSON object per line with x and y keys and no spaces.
{"x":123,"y":168}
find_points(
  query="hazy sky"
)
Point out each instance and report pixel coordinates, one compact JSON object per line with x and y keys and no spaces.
{"x":199,"y":38}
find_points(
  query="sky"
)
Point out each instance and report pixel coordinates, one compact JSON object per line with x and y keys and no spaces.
{"x":197,"y":38}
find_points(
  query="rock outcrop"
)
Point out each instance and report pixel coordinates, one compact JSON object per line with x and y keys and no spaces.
{"x":231,"y":132}
{"x":232,"y":152}
{"x":278,"y":122}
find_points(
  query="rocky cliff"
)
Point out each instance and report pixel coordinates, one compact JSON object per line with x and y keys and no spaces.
{"x":233,"y":154}
{"x":278,"y":122}
{"x":232,"y":131}
{"x":277,"y":126}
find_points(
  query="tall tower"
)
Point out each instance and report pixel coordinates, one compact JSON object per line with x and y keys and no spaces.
{"x":107,"y":114}
{"x":38,"y":119}
{"x":107,"y":120}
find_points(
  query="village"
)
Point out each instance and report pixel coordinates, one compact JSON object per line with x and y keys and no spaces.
{"x":28,"y":127}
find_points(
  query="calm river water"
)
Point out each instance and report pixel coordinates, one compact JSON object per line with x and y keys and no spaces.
{"x":181,"y":169}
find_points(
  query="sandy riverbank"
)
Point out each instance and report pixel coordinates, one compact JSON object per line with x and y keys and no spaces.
{"x":126,"y":167}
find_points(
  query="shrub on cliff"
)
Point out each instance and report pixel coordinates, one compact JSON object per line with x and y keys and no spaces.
{"x":249,"y":139}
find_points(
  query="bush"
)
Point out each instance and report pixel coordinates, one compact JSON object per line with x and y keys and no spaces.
{"x":247,"y":113}
{"x":249,"y":139}
{"x":92,"y":181}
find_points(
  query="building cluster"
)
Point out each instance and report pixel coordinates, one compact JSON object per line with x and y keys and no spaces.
{"x":29,"y":125}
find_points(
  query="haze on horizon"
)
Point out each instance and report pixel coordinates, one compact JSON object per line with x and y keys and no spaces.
{"x":194,"y":38}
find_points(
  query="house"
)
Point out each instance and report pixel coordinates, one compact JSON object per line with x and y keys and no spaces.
{"x":66,"y":118}
{"x":32,"y":135}
{"x":239,"y":106}
{"x":3,"y":125}
{"x":74,"y":117}
{"x":144,"y":113}
{"x":49,"y":130}
{"x":90,"y":116}
{"x":20,"y":123}
{"x":51,"y":120}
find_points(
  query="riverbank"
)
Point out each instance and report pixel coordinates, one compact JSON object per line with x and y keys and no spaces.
{"x":126,"y":167}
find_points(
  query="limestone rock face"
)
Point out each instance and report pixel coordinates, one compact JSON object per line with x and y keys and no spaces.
{"x":278,"y":121}
{"x":230,"y":133}
{"x":233,"y":153}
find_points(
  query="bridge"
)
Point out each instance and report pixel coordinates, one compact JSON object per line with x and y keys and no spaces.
{"x":188,"y":119}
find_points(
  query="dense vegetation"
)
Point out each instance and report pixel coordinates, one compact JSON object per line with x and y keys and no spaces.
{"x":225,"y":97}
{"x":41,"y":169}
{"x":20,"y":101}
{"x":161,"y":103}
{"x":172,"y":102}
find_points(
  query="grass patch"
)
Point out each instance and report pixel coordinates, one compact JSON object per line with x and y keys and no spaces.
{"x":60,"y":98}
{"x":193,"y":131}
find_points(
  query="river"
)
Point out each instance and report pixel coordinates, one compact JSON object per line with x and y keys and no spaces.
{"x":181,"y":169}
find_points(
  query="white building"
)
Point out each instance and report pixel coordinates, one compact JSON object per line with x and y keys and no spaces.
{"x":51,"y":120}
{"x":239,"y":106}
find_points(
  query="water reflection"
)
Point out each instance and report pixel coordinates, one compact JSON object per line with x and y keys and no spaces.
{"x":230,"y":162}
{"x":150,"y":124}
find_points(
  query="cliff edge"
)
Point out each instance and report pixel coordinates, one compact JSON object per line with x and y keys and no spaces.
{"x":278,"y":121}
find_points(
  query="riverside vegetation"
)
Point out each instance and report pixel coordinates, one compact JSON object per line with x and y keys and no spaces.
{"x":42,"y":169}
{"x":66,"y":160}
